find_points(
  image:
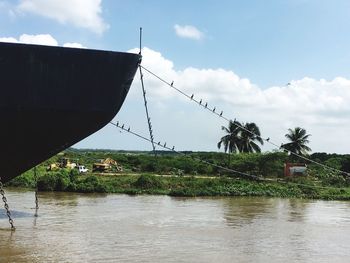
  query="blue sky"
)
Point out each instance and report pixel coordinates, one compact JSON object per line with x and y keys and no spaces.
{"x":237,"y":55}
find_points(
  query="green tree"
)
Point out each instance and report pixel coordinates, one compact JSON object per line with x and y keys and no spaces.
{"x":241,"y":138}
{"x":250,"y":134}
{"x":298,"y":139}
{"x":231,"y":140}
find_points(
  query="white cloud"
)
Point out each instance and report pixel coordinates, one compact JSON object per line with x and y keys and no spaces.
{"x":73,"y":45}
{"x":41,"y":39}
{"x":8,"y":39}
{"x":80,"y":13}
{"x":188,"y":31}
{"x":320,"y":106}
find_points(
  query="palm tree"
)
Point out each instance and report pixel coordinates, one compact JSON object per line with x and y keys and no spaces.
{"x":298,"y":140}
{"x":231,"y":140}
{"x":249,"y":134}
{"x":241,"y":138}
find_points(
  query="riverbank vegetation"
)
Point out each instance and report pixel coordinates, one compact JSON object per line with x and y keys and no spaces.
{"x":185,"y":175}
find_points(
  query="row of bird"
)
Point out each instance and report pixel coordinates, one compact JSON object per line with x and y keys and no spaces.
{"x":122,"y":126}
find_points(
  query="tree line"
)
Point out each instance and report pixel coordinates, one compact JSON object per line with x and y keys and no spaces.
{"x":246,"y":138}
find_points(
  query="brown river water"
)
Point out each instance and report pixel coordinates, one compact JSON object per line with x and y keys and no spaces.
{"x":120,"y":228}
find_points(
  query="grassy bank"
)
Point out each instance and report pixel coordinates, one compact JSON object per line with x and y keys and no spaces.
{"x":187,"y":186}
{"x":184,"y":176}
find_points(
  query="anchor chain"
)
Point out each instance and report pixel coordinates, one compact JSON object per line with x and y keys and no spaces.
{"x":36,"y":192}
{"x":145,"y":101}
{"x":7,"y":208}
{"x":147,"y":114}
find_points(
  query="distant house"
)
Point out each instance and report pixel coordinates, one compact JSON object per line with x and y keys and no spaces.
{"x":291,"y":169}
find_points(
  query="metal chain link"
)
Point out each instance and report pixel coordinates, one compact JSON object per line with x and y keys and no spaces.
{"x":36,"y":192}
{"x":145,"y":100}
{"x":7,"y":208}
{"x":147,"y":113}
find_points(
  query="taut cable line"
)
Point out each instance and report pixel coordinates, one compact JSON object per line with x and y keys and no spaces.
{"x":221,"y":115}
{"x":164,"y":146}
{"x":255,"y":177}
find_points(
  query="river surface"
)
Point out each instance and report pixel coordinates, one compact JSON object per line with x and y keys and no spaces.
{"x":74,"y":227}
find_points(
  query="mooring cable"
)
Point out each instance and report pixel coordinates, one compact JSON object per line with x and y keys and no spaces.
{"x":255,"y":177}
{"x":221,"y":115}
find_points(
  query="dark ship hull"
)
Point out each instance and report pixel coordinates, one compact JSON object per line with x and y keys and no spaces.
{"x":53,"y":97}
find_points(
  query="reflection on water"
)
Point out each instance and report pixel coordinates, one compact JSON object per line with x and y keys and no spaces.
{"x":119,"y":228}
{"x":14,"y":213}
{"x":241,"y":211}
{"x":297,"y":209}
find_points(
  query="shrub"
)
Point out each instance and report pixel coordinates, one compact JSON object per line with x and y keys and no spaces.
{"x":63,"y":182}
{"x":23,"y":180}
{"x":90,"y":184}
{"x":73,"y":175}
{"x":59,"y":181}
{"x":146,"y":181}
{"x":47,"y":182}
{"x":336,"y":180}
{"x":271,"y":164}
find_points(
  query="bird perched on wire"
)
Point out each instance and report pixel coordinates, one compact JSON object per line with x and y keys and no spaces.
{"x":214,"y":109}
{"x":206,"y":104}
{"x":221,"y":113}
{"x":192,"y":96}
{"x":172,"y":83}
{"x":200,"y":102}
